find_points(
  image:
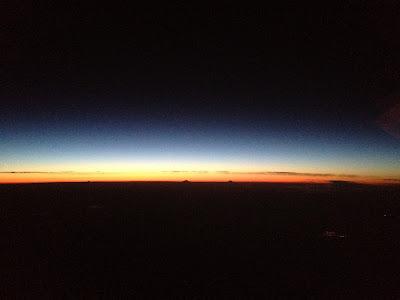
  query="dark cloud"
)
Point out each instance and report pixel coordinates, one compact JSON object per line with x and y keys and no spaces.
{"x":392,"y":179}
{"x":343,"y":182}
{"x":290,"y":174}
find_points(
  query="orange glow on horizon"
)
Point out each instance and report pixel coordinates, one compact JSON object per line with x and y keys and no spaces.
{"x":43,"y":177}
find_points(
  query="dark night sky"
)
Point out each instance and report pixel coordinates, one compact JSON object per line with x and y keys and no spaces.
{"x":305,"y":76}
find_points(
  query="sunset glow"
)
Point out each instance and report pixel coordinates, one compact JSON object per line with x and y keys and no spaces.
{"x":182,"y":175}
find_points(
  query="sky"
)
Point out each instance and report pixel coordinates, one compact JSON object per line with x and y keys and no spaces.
{"x":200,"y":93}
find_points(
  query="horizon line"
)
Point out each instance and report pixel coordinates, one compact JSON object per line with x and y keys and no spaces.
{"x":328,"y":182}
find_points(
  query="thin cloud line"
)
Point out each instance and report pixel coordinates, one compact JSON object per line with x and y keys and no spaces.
{"x":289,"y":174}
{"x":266,"y":173}
{"x":392,"y":179}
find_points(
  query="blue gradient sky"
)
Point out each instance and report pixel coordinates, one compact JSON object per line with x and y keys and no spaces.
{"x":82,"y":142}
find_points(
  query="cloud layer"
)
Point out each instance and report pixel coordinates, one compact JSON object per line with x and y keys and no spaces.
{"x":266,"y":173}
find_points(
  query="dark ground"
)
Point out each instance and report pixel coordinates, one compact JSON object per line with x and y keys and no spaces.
{"x":198,"y":240}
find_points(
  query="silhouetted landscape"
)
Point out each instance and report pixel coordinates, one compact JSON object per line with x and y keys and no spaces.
{"x":213,"y":240}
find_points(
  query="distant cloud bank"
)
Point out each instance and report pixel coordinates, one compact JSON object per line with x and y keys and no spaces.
{"x":266,"y":173}
{"x":291,"y":174}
